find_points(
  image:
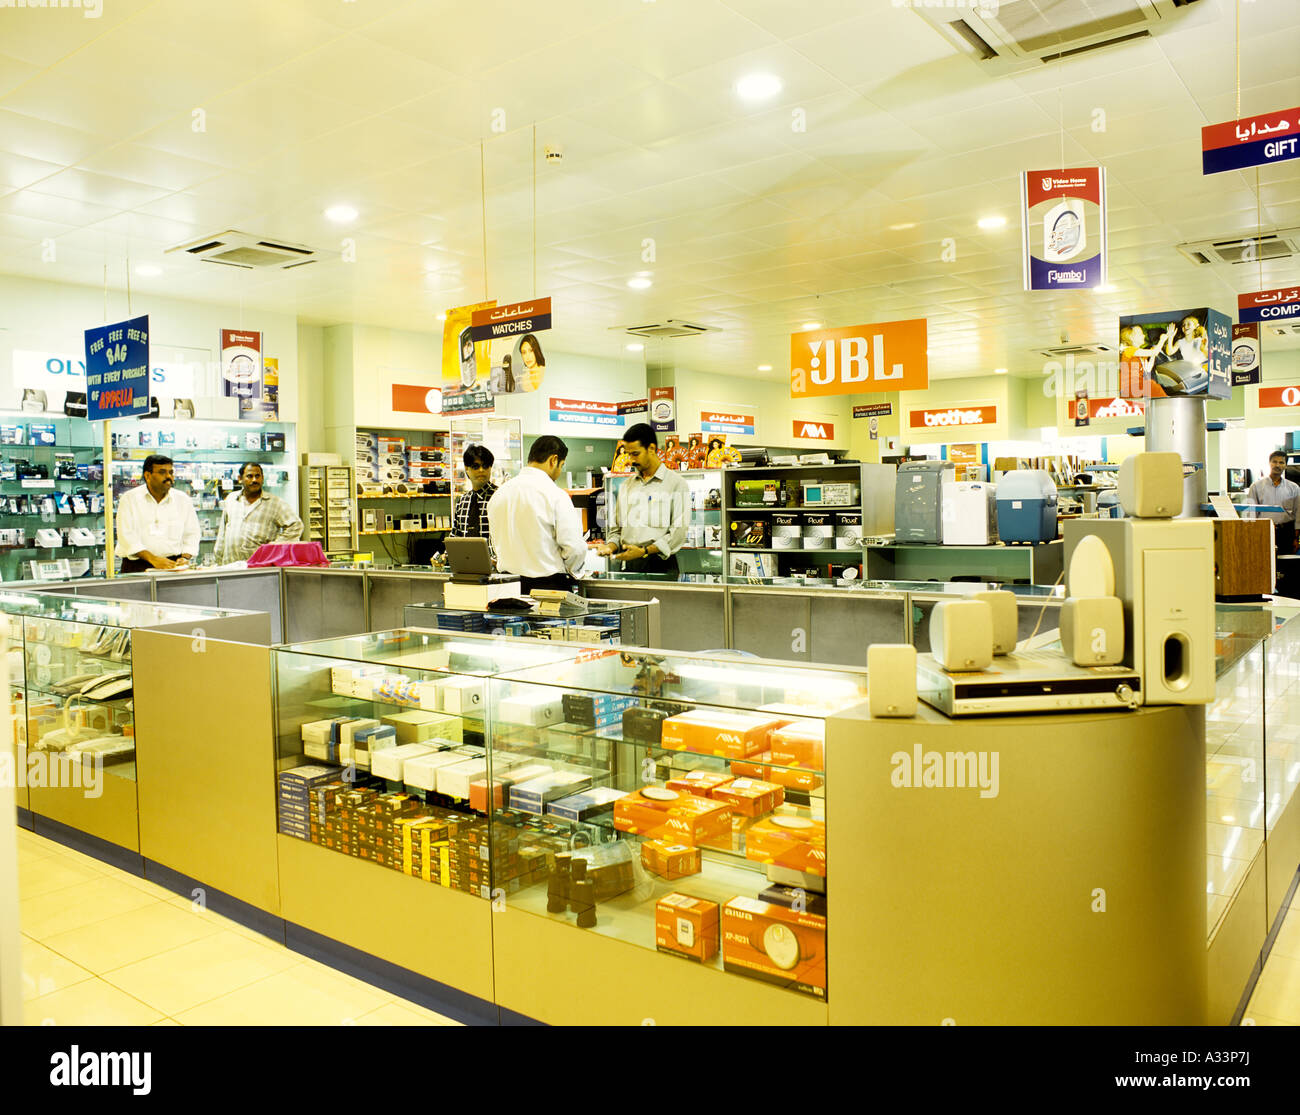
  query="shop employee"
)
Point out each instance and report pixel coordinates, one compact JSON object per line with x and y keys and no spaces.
{"x":470,"y":518}
{"x":251,"y":517}
{"x":648,"y":521}
{"x":1275,"y":488}
{"x":535,"y":527}
{"x":156,"y":526}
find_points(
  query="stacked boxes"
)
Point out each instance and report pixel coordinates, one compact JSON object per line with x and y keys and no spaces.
{"x":796,"y":843}
{"x":534,"y":795}
{"x":293,"y":800}
{"x":461,"y":621}
{"x":595,"y":710}
{"x":367,"y":458}
{"x":584,"y":806}
{"x":391,"y":452}
{"x":672,"y":816}
{"x":734,"y":735}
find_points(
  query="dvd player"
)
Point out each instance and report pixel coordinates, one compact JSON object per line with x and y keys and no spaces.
{"x":1032,"y":681}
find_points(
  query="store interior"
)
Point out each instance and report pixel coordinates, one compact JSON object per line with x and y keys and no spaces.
{"x":693,"y":192}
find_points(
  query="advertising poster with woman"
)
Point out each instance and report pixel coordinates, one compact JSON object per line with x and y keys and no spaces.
{"x":1186,"y":352}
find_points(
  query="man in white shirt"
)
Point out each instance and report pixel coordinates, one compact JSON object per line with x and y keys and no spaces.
{"x":535,"y":528}
{"x":251,"y":517}
{"x":156,"y":526}
{"x":648,"y":520}
{"x":1278,"y":490}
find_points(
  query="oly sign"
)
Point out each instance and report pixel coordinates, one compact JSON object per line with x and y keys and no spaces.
{"x":888,"y":356}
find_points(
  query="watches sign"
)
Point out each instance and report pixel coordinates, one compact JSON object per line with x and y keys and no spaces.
{"x":954,"y":416}
{"x":887,"y":356}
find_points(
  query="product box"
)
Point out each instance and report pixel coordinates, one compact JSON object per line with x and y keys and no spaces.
{"x":797,"y":843}
{"x":461,"y":695}
{"x":665,"y":814}
{"x":687,"y":926}
{"x":535,"y":708}
{"x":418,"y":726}
{"x":670,"y":861}
{"x":787,"y":531}
{"x":848,"y":530}
{"x":596,"y":710}
{"x":750,"y":797}
{"x":532,"y":796}
{"x":735,"y":735}
{"x":801,"y":743}
{"x":421,"y":772}
{"x":368,"y":740}
{"x":454,"y":778}
{"x":794,"y":898}
{"x":645,"y":725}
{"x":389,"y":763}
{"x":589,"y":803}
{"x":756,"y":493}
{"x":818,"y":531}
{"x":750,"y":534}
{"x":701,"y":783}
{"x":478,"y":789}
{"x":304,"y":778}
{"x":776,"y":944}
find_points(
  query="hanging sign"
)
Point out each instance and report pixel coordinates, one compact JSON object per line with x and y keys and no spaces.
{"x":585,"y":412}
{"x":1245,"y":354}
{"x":663,"y":409}
{"x":241,"y":363}
{"x":490,"y":323}
{"x":117,"y":369}
{"x":818,"y":431}
{"x":1254,"y":141}
{"x":873,"y":410}
{"x":408,"y":398}
{"x":1279,"y":396}
{"x":1063,"y":223}
{"x":462,"y":362}
{"x":887,"y":356}
{"x":634,"y":406}
{"x":1269,"y":305}
{"x":1082,"y":414}
{"x":718,"y":422}
{"x":1176,"y":352}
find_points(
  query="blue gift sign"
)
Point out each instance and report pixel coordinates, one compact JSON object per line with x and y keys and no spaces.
{"x":117,"y":369}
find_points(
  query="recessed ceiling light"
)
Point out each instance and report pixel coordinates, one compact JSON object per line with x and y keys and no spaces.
{"x":901,"y":227}
{"x":999,"y":371}
{"x":639,"y":282}
{"x":148,"y":270}
{"x":987,"y":223}
{"x":765,"y":367}
{"x":758,"y":87}
{"x":635,"y":348}
{"x":809,"y":326}
{"x":341,"y":214}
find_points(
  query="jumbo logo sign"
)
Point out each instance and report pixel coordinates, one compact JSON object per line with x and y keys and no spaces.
{"x":888,"y":356}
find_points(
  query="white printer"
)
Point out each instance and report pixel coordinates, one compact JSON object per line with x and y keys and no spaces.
{"x":968,"y":512}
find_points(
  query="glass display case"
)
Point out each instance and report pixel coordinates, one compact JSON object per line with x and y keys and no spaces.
{"x":675,"y":802}
{"x":381,"y":748}
{"x":589,"y":623}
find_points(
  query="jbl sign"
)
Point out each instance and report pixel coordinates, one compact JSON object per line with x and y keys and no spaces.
{"x":888,"y":356}
{"x":818,"y":431}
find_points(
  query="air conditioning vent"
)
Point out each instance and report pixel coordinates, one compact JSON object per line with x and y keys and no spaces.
{"x":1277,"y":244}
{"x":250,"y":253}
{"x":1096,"y":348}
{"x":1011,"y":34}
{"x":1284,"y":329}
{"x":670,"y":328}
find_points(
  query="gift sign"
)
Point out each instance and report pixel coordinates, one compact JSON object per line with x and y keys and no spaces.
{"x":1254,"y":141}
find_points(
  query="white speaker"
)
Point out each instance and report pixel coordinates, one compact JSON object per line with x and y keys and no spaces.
{"x":1092,"y":572}
{"x":1006,"y":619}
{"x":961,"y":634}
{"x":1092,"y":630}
{"x":891,"y":679}
{"x":1151,"y":485}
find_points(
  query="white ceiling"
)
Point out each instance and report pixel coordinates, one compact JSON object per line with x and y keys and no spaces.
{"x":757,"y":227}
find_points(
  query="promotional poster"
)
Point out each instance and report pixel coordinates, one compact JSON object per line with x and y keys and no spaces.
{"x":1180,"y":352}
{"x":463,"y":363}
{"x":241,"y":363}
{"x":1246,"y":360}
{"x":1063,"y":224}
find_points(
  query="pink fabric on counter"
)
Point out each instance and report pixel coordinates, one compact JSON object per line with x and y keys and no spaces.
{"x":288,"y":553}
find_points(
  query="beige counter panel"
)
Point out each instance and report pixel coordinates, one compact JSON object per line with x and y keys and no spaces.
{"x":1231,"y":953}
{"x":112,"y":816}
{"x":565,"y":976}
{"x":949,"y":905}
{"x":1283,"y":854}
{"x":438,"y":932}
{"x":205,"y":754}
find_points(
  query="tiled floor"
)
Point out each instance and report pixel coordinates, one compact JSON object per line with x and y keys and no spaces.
{"x":1276,"y":1001}
{"x":102,"y":947}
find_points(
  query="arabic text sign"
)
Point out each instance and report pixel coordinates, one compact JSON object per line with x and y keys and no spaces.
{"x":717,"y":422}
{"x":1269,"y":305}
{"x":117,"y":369}
{"x":1063,"y":228}
{"x":887,"y":356}
{"x":873,"y":410}
{"x":1245,"y":354}
{"x":488,"y":324}
{"x":1254,"y":141}
{"x":586,"y":412}
{"x":1279,"y":396}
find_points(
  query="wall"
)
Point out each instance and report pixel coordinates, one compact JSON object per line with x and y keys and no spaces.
{"x":578,"y":377}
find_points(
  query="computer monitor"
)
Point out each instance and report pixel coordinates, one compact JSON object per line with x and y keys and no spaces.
{"x":1238,"y":479}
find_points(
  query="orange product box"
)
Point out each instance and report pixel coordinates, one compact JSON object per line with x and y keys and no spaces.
{"x":775,"y":944}
{"x":735,"y":735}
{"x":805,"y":780}
{"x":794,"y":842}
{"x":668,"y":860}
{"x":673,"y":816}
{"x":800,"y":744}
{"x":478,"y":791}
{"x":701,"y":783}
{"x":741,"y":768}
{"x":750,"y":796}
{"x":686,"y":926}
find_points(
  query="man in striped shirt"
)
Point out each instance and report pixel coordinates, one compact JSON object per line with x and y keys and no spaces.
{"x":250,"y":518}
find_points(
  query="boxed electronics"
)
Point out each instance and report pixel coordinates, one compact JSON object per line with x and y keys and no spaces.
{"x":918,"y":496}
{"x":775,"y":943}
{"x":661,"y":813}
{"x":735,"y":735}
{"x":756,"y":493}
{"x":969,"y":513}
{"x":1026,"y":502}
{"x":669,"y":860}
{"x":750,"y":534}
{"x":848,"y":530}
{"x":687,"y":926}
{"x":818,"y":531}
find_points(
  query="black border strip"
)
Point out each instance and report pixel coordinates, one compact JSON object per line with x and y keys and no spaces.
{"x":94,"y":846}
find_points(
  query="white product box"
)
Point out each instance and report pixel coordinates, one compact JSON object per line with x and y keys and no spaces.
{"x":534,"y":709}
{"x":341,"y":680}
{"x":460,"y":695}
{"x":454,"y":779}
{"x":389,"y":762}
{"x":422,"y":771}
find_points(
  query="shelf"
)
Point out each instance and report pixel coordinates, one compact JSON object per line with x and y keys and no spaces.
{"x":430,"y":530}
{"x":60,"y":448}
{"x":408,"y":495}
{"x":783,"y":468}
{"x":68,"y":696}
{"x":800,"y":507}
{"x":750,"y":550}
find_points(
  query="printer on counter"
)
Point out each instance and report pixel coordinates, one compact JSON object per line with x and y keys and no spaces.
{"x":918,"y":498}
{"x":968,"y":512}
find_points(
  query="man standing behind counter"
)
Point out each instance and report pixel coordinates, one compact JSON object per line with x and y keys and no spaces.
{"x":647,"y":524}
{"x":251,"y":518}
{"x":1276,"y":489}
{"x":535,"y":528}
{"x":156,"y":526}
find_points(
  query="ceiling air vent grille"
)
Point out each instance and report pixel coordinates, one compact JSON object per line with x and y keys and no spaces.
{"x":250,"y":253}
{"x":670,"y":328}
{"x":1095,"y":348}
{"x":1280,"y":243}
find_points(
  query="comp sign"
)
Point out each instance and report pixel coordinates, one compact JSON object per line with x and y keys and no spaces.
{"x":888,"y":356}
{"x":1269,"y":305}
{"x":953,"y":416}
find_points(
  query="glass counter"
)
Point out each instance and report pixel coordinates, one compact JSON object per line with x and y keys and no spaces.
{"x":588,"y":623}
{"x":672,"y":801}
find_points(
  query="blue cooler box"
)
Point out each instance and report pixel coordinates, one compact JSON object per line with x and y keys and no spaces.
{"x":1027,"y":506}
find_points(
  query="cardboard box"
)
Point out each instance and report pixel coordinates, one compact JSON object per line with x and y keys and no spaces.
{"x":670,"y":861}
{"x":595,"y":710}
{"x":421,"y":772}
{"x":736,"y":735}
{"x":701,"y":783}
{"x":750,"y":797}
{"x":418,"y":726}
{"x":390,"y":762}
{"x":589,"y":803}
{"x":776,"y":944}
{"x":787,"y":841}
{"x":645,"y":725}
{"x":687,"y":926}
{"x":673,"y":816}
{"x":460,"y":695}
{"x":532,"y":796}
{"x":533,"y":707}
{"x":801,"y":743}
{"x":478,"y":789}
{"x":366,"y":740}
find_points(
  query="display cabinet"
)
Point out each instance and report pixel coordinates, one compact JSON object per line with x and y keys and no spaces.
{"x":591,"y":623}
{"x":503,"y":435}
{"x":403,"y":489}
{"x":327,"y":507}
{"x":672,"y":802}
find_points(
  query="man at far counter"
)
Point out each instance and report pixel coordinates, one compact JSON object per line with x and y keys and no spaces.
{"x":251,"y":517}
{"x":1276,"y":489}
{"x":156,"y":526}
{"x":647,"y":524}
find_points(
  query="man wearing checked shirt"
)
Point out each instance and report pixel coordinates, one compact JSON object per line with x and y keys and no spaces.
{"x":647,"y":524}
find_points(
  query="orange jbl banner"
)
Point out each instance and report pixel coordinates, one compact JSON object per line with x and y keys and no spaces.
{"x":887,"y":356}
